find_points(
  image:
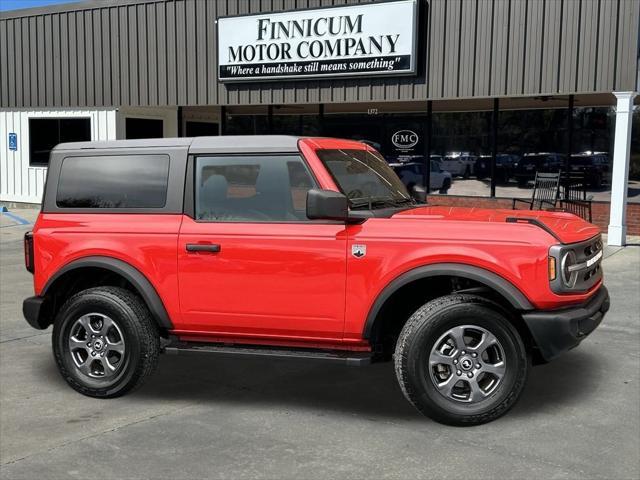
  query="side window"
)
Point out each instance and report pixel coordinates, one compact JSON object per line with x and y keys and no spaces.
{"x":252,"y":188}
{"x":114,"y":181}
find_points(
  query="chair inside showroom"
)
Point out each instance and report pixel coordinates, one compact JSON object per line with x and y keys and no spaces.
{"x":573,"y":197}
{"x":545,"y":195}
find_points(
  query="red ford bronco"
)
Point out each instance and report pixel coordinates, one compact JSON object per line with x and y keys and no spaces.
{"x":302,"y":248}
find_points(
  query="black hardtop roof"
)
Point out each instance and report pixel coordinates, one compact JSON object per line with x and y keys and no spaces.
{"x":219,"y":144}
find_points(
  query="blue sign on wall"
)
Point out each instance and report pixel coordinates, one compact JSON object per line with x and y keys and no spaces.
{"x":13,"y":141}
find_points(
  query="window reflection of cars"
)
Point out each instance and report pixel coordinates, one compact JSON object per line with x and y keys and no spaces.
{"x":460,"y":164}
{"x":537,"y":162}
{"x":505,"y":164}
{"x":412,"y":174}
{"x":594,"y":165}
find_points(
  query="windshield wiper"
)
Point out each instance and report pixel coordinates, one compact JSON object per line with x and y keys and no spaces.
{"x":374,"y":202}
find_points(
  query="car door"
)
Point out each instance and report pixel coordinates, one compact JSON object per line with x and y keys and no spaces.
{"x":250,"y":262}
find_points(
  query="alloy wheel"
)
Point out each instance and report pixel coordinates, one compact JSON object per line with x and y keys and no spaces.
{"x":467,"y":363}
{"x":96,"y":345}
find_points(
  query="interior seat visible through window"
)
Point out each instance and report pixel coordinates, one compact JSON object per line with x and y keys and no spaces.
{"x":252,"y":189}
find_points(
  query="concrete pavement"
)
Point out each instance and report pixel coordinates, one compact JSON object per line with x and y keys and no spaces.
{"x":201,"y":416}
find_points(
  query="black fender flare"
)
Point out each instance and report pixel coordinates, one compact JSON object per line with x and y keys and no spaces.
{"x":130,"y":273}
{"x":505,"y":288}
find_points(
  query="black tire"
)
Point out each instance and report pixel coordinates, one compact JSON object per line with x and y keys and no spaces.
{"x":138,"y":331}
{"x":446,"y":185}
{"x":467,"y":172}
{"x":419,"y":336}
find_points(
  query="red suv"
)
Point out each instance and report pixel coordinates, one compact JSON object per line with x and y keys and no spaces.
{"x":305,"y":248}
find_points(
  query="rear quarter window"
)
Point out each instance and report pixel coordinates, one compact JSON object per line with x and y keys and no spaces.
{"x":113,"y":181}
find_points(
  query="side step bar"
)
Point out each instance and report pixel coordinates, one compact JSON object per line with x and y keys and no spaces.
{"x":354,"y":359}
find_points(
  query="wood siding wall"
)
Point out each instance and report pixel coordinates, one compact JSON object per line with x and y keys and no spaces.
{"x":164,"y":53}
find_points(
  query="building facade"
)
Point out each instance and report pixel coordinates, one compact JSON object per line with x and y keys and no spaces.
{"x":490,"y":90}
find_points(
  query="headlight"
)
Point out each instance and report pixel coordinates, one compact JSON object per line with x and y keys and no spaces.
{"x":569,"y":276}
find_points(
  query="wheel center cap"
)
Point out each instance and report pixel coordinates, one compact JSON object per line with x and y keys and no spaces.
{"x":466,"y":363}
{"x":97,"y":345}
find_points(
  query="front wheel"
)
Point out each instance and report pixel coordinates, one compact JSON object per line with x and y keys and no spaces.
{"x":105,"y":342}
{"x":460,"y":361}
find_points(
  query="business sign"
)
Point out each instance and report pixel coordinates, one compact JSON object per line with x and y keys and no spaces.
{"x":354,"y":40}
{"x":13,"y":141}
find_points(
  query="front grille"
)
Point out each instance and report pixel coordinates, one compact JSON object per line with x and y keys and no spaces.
{"x":585,"y":272}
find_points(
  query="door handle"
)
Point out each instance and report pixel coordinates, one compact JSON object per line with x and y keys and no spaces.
{"x":203,"y":247}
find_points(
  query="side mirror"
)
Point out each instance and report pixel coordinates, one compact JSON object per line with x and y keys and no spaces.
{"x":419,"y":194}
{"x":327,"y":205}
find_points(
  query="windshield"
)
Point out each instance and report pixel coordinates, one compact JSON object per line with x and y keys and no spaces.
{"x":365,"y":178}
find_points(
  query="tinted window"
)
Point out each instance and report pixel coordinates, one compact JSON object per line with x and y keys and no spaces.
{"x":143,"y":128}
{"x":46,"y":133}
{"x":131,"y":181}
{"x":201,"y":129}
{"x":246,"y":189}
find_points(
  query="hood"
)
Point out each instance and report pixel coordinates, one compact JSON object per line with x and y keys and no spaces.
{"x":566,"y":227}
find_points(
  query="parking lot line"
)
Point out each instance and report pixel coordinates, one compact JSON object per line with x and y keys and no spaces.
{"x":16,"y":218}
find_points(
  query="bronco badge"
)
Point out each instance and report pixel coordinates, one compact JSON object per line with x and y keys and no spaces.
{"x":358,"y":251}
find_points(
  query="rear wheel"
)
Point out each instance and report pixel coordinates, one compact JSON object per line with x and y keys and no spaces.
{"x":105,"y":342}
{"x":460,"y":361}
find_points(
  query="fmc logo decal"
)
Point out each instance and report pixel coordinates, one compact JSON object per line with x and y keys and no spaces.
{"x":404,"y":139}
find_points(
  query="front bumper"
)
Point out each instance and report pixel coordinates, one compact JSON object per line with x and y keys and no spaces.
{"x":32,"y":311}
{"x":556,"y":331}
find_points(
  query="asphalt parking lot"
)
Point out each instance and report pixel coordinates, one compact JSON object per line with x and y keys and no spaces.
{"x":200,"y":416}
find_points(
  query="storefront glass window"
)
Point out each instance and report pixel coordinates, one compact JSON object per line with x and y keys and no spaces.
{"x":304,"y":124}
{"x":399,"y":137}
{"x":461,"y":146}
{"x":592,"y":152}
{"x":246,"y":121}
{"x":529,"y":141}
{"x":283,"y":120}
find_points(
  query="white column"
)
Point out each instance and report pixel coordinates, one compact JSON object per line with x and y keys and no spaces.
{"x":620,"y":169}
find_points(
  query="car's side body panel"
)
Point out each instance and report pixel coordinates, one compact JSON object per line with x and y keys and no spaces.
{"x":146,"y":242}
{"x":267,"y":280}
{"x":412,"y":243}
